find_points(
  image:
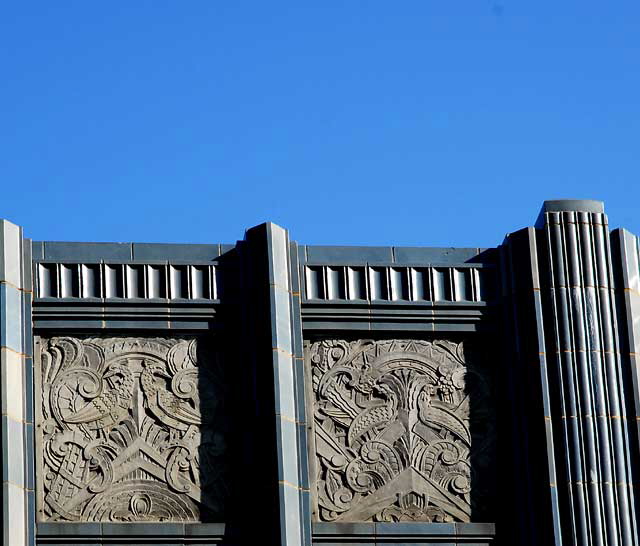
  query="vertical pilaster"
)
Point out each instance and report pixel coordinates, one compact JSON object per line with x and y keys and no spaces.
{"x":276,"y":335}
{"x":528,"y":443}
{"x":16,"y":385}
{"x":582,"y":344}
{"x":629,"y":292}
{"x":301,"y":412}
{"x":626,"y":260}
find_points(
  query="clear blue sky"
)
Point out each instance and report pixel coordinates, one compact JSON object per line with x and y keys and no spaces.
{"x":356,"y":122}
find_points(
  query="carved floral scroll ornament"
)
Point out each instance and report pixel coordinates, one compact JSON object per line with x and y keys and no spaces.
{"x":126,"y":429}
{"x":403,"y":431}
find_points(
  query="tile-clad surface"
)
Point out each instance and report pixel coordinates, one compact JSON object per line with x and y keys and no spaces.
{"x":15,"y":356}
{"x":384,"y":255}
{"x":158,"y":286}
{"x":626,"y":255}
{"x":163,"y":251}
{"x":299,"y":391}
{"x":11,"y":254}
{"x":448,"y":291}
{"x":13,"y":404}
{"x":343,"y":254}
{"x":86,"y":251}
{"x":284,"y":363}
{"x":404,"y":533}
{"x":11,"y":320}
{"x":444,"y":317}
{"x":133,"y":533}
{"x":266,"y":255}
{"x":151,"y":287}
{"x":527,"y":457}
{"x":593,"y":455}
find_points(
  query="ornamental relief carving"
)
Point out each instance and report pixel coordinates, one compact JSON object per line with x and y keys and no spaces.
{"x":130,"y":429}
{"x":403,"y":430}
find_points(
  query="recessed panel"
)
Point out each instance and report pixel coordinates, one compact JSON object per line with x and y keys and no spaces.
{"x":130,"y":429}
{"x":403,"y":430}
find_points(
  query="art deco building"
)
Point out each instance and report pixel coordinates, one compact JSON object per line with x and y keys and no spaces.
{"x":268,"y":392}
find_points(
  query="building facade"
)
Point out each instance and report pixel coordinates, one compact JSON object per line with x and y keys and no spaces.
{"x":269,"y":392}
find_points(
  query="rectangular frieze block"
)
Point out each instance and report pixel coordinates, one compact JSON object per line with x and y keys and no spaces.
{"x":130,"y":429}
{"x":399,"y":284}
{"x":114,"y":281}
{"x":403,"y":430}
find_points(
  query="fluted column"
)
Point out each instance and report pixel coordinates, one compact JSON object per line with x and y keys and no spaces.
{"x":592,"y":452}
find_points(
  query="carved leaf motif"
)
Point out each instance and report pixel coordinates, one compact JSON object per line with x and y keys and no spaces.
{"x":333,"y":483}
{"x":397,"y":415}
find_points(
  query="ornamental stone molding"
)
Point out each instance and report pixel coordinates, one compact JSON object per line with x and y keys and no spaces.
{"x":403,"y":430}
{"x":131,"y":429}
{"x":169,"y":393}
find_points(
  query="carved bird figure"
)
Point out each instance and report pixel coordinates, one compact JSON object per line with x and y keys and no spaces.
{"x":436,"y":415}
{"x":379,"y":414}
{"x":112,"y":403}
{"x":174,"y":411}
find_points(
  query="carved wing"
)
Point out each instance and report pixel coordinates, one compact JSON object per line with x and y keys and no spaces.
{"x":178,"y":408}
{"x":93,"y":411}
{"x":368,"y":419}
{"x":434,"y":415}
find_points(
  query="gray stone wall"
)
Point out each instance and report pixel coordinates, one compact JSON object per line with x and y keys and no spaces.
{"x":266,"y":392}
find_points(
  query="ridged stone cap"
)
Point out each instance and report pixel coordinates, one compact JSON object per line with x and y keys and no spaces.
{"x":565,"y":205}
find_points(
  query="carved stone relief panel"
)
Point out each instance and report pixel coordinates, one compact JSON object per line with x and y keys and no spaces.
{"x":130,"y":429}
{"x":403,"y":430}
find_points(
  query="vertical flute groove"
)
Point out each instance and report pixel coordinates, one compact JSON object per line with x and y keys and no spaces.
{"x":588,"y":363}
{"x":568,"y":402}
